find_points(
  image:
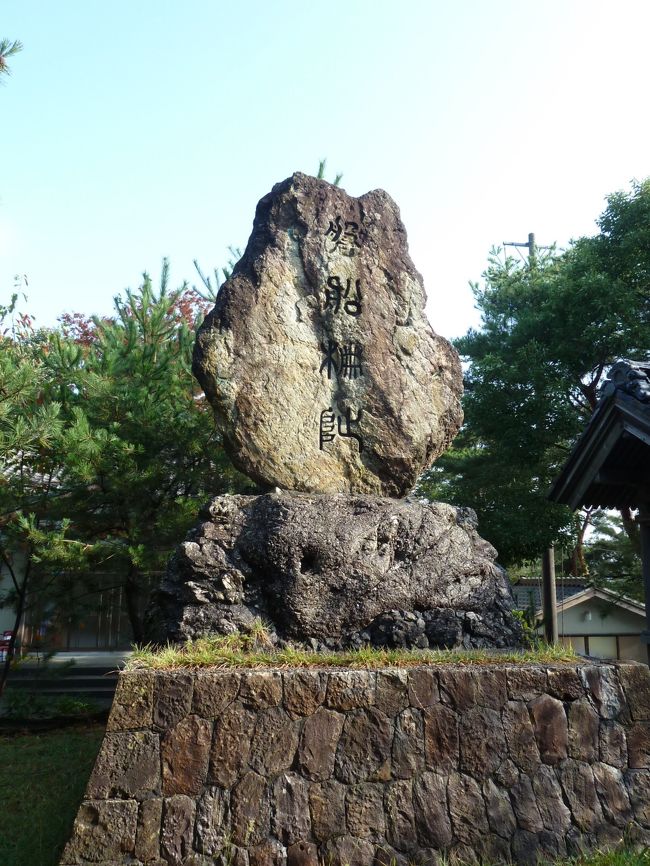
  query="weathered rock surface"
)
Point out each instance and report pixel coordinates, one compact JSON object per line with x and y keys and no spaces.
{"x":323,"y":371}
{"x":337,"y":570}
{"x":309,"y":774}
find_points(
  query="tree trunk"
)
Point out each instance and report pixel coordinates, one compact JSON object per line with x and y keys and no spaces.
{"x":578,"y":564}
{"x":632,"y":529}
{"x":20,"y":610}
{"x":132,"y":595}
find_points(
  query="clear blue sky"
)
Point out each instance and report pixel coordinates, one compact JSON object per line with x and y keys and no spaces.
{"x":138,"y":129}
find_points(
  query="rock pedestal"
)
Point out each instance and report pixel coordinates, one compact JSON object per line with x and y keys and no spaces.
{"x":323,"y":371}
{"x":336,"y":571}
{"x":368,"y":768}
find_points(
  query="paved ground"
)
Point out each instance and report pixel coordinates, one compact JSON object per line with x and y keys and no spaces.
{"x":91,"y":658}
{"x":91,"y":675}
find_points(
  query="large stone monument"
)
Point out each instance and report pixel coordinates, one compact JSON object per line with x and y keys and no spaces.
{"x":331,"y":390}
{"x":329,"y":385}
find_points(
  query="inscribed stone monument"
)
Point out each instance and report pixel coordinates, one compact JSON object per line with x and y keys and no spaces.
{"x":329,"y":385}
{"x":323,"y":371}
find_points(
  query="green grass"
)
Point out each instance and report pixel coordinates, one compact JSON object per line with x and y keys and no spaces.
{"x":619,"y":857}
{"x":42,"y":781}
{"x":624,"y":856}
{"x":255,"y":651}
{"x":24,"y":704}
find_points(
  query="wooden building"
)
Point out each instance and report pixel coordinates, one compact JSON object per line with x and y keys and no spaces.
{"x":609,"y":466}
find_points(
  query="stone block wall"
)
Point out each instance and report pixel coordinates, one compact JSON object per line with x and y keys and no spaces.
{"x":300,"y":767}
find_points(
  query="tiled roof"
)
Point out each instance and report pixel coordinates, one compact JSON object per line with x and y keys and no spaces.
{"x":609,"y":466}
{"x":529,"y":589}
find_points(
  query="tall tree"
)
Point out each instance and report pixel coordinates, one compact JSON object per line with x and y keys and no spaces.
{"x":35,"y":441}
{"x":108,"y":448}
{"x":154,"y":455}
{"x":550,"y":329}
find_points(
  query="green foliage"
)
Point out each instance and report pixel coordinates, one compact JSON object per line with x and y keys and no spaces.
{"x":623,"y":855}
{"x":32,"y":445}
{"x":212,"y":284}
{"x":626,"y":854}
{"x":320,"y":174}
{"x":550,"y":329}
{"x":612,"y":558}
{"x":518,"y":419}
{"x":22,"y":704}
{"x":531,"y":638}
{"x":109,"y":448}
{"x":147,"y":452}
{"x":8,"y":48}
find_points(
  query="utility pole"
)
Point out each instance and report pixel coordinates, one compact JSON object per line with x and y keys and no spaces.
{"x":530,"y":245}
{"x":643,"y":520}
{"x":549,"y":596}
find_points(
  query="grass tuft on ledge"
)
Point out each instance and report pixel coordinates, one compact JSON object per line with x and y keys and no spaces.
{"x":255,"y":650}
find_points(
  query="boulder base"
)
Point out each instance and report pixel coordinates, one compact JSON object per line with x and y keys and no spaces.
{"x":335,"y":571}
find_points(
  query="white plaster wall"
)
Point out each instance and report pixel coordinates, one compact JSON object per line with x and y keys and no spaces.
{"x":605,"y":619}
{"x":606,"y":623}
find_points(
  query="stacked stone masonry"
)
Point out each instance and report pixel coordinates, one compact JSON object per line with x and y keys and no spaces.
{"x":303,"y":767}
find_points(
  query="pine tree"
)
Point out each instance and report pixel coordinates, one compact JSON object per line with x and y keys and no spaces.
{"x":108,"y":448}
{"x":550,"y":329}
{"x":8,"y":48}
{"x":34,"y":437}
{"x":152,"y":454}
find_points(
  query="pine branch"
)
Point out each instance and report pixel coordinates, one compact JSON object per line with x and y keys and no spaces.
{"x":8,"y":49}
